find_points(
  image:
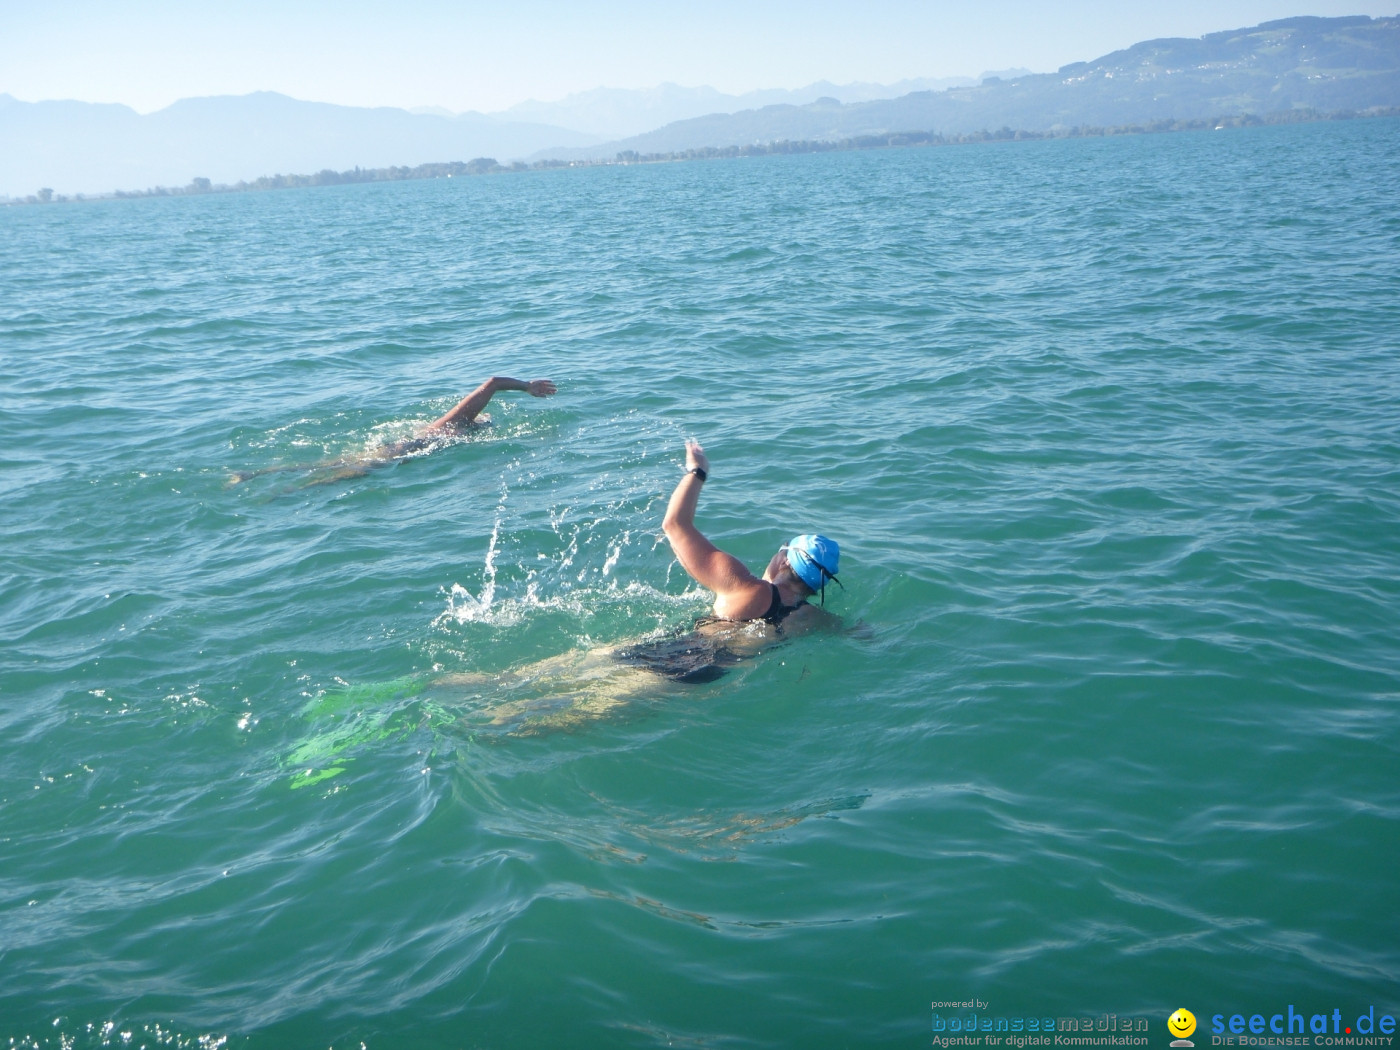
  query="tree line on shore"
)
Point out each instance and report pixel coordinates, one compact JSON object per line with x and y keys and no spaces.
{"x":893,"y":140}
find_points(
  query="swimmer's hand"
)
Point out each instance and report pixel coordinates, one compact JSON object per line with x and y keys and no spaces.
{"x":695,"y":456}
{"x":861,"y":631}
{"x":541,"y":388}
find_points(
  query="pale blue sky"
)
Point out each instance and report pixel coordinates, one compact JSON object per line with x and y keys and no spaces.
{"x":486,"y":56}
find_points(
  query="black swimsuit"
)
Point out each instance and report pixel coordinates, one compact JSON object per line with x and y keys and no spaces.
{"x":687,"y":658}
{"x":693,"y":657}
{"x":777,"y":611}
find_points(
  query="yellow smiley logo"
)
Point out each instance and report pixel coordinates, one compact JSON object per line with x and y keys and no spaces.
{"x":1182,"y":1023}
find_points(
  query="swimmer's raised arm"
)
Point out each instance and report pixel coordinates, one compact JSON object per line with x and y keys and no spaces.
{"x":737,"y":591}
{"x":470,"y":406}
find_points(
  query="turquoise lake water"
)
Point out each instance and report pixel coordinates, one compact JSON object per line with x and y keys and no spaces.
{"x":1108,"y":432}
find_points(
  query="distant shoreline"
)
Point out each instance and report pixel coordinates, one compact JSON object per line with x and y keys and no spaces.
{"x":891,"y":140}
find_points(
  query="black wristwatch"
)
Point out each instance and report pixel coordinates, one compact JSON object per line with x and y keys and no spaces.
{"x":698,"y":472}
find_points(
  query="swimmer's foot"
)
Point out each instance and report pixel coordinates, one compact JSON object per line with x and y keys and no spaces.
{"x":240,"y":476}
{"x":466,"y":678}
{"x":339,"y":473}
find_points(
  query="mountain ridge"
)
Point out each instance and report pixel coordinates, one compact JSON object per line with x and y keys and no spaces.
{"x":620,"y":112}
{"x":1306,"y":62}
{"x":85,"y":147}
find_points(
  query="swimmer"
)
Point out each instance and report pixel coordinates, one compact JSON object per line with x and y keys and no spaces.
{"x":795,"y":573}
{"x":750,"y":613}
{"x":463,"y":416}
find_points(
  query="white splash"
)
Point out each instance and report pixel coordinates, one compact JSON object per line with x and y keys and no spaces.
{"x":616,"y":553}
{"x":462,"y":606}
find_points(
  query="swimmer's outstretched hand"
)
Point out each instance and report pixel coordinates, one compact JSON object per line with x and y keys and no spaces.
{"x":541,"y":388}
{"x":695,"y":456}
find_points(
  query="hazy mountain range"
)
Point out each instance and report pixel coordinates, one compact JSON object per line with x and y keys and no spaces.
{"x":82,"y":147}
{"x":1324,"y":64}
{"x":613,"y":113}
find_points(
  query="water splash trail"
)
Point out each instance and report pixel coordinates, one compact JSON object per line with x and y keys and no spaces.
{"x":461,"y":605}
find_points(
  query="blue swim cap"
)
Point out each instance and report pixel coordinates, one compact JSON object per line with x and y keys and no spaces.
{"x":814,"y":559}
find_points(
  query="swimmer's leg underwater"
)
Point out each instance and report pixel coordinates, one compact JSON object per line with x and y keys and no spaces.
{"x":556,"y":694}
{"x":344,"y":720}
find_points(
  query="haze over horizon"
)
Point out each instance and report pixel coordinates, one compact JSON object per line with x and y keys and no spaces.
{"x":475,"y":57}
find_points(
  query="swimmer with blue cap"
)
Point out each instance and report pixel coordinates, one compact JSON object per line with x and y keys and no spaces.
{"x":800,"y":569}
{"x":751,"y":613}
